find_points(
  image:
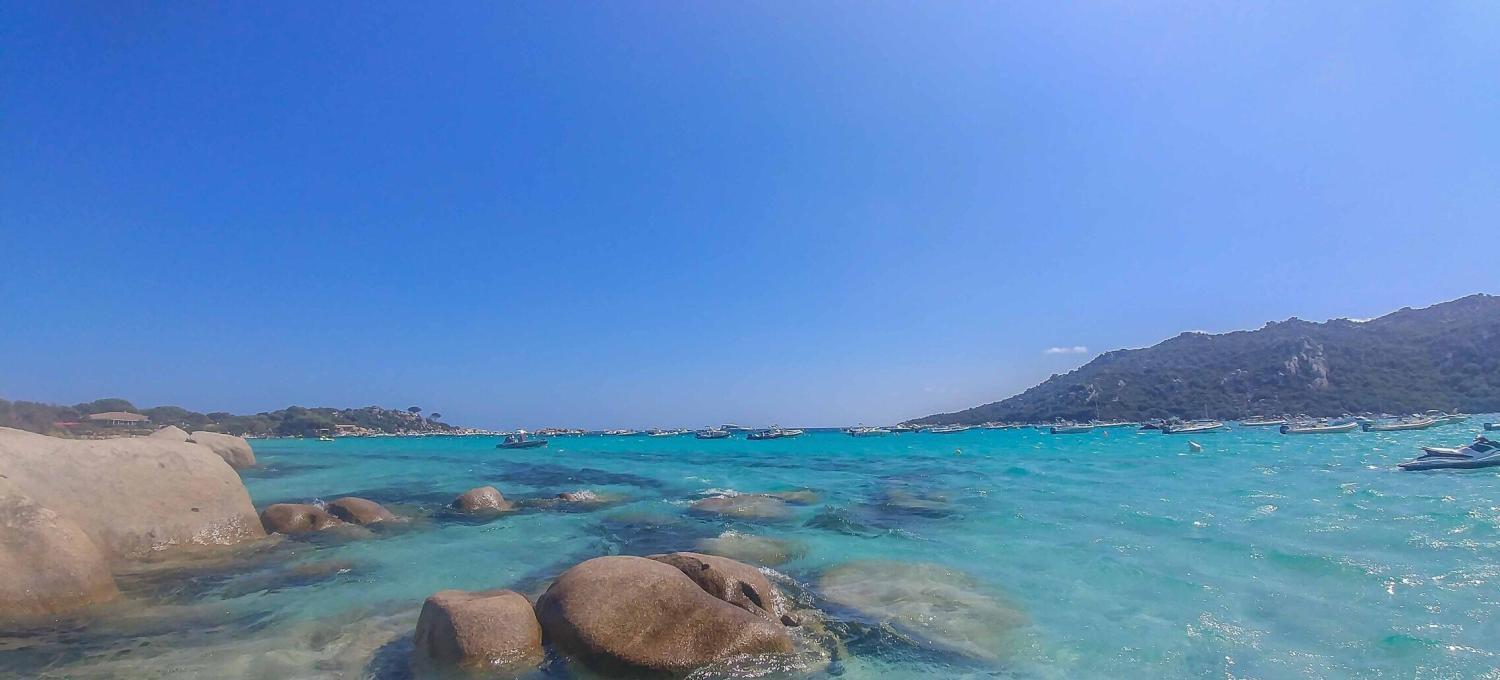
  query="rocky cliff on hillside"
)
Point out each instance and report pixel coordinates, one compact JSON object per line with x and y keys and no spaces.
{"x":1445,"y":356}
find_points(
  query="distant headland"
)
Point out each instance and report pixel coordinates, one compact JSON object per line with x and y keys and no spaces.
{"x":1443,"y":356}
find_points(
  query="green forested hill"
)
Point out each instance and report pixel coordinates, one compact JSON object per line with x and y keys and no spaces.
{"x":1446,"y":356}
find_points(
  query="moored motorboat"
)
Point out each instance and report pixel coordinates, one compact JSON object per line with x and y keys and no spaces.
{"x":1418,"y":423}
{"x":787,"y":434}
{"x":903,"y":427}
{"x":712,"y":433}
{"x":863,"y":431}
{"x":1490,"y":426}
{"x":1071,"y":428}
{"x":773,"y":433}
{"x":620,"y":433}
{"x":518,"y":440}
{"x":1263,"y":422}
{"x":1319,"y":428}
{"x":1194,"y":427}
{"x":1481,"y":453}
{"x":950,"y":429}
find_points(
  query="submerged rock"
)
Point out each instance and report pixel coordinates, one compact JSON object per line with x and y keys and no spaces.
{"x":297,"y":518}
{"x":798,"y":497}
{"x":170,"y":433}
{"x":933,"y":603}
{"x":234,"y":450}
{"x":842,"y":521}
{"x":481,"y":500}
{"x":493,"y":630}
{"x":763,"y":550}
{"x":359,"y":511}
{"x":48,"y":565}
{"x":925,"y":504}
{"x":133,"y":496}
{"x":633,"y":615}
{"x":743,"y":506}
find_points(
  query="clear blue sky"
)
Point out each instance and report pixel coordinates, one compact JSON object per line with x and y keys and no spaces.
{"x":643,"y":214}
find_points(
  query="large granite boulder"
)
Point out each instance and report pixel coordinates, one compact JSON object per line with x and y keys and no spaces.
{"x":734,"y":582}
{"x":48,"y":565}
{"x":133,"y":495}
{"x":234,"y":450}
{"x":633,"y":615}
{"x":360,"y":511}
{"x":493,"y":631}
{"x":296,"y":518}
{"x":743,"y":506}
{"x":170,"y":433}
{"x":481,"y":500}
{"x":938,"y":605}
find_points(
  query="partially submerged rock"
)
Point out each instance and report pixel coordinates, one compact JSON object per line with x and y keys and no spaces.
{"x":762,"y":550}
{"x":734,"y":582}
{"x":634,"y":615}
{"x":743,"y":506}
{"x":798,"y":497}
{"x":234,"y":450}
{"x":355,"y":510}
{"x":492,"y":630}
{"x":133,"y":496}
{"x":48,"y":565}
{"x":933,"y":603}
{"x":170,"y":433}
{"x":481,"y":500}
{"x":297,"y":518}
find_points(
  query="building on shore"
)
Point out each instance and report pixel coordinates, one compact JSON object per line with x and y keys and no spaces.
{"x":118,"y":419}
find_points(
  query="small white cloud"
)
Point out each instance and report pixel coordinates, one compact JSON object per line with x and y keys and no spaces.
{"x":1075,"y":349}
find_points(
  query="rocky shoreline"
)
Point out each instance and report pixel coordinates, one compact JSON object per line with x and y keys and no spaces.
{"x":77,"y":516}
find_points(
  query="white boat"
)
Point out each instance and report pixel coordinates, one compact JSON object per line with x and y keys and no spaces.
{"x":950,"y":429}
{"x":1488,"y":427}
{"x":1194,"y":427}
{"x":1318,"y":428}
{"x":863,"y":431}
{"x":1479,"y":454}
{"x":712,"y":433}
{"x":1070,"y":428}
{"x":785,"y":434}
{"x":1263,"y":422}
{"x":1419,"y":423}
{"x":1447,"y":418}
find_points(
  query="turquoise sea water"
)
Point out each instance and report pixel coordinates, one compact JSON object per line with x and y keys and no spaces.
{"x":1123,"y":555}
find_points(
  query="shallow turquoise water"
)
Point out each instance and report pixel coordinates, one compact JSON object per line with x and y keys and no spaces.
{"x":1128,"y":556}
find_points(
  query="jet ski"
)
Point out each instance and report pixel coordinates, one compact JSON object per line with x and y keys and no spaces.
{"x":1481,"y":453}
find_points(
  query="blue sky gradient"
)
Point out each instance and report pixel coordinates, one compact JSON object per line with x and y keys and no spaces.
{"x":623,"y":214}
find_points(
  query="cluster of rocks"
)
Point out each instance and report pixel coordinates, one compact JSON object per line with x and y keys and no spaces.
{"x":72,"y":511}
{"x":663,"y":614}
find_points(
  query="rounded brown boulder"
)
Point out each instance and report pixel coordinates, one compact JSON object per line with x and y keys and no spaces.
{"x":170,"y":432}
{"x":234,"y":450}
{"x":633,"y":615}
{"x":734,"y":582}
{"x":356,"y":510}
{"x":49,"y":565}
{"x":492,"y":630}
{"x":296,"y":518}
{"x":481,"y":499}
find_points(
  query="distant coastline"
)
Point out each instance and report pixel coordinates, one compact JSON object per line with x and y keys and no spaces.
{"x":1408,"y":361}
{"x":114,"y":417}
